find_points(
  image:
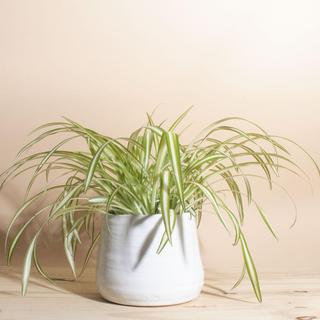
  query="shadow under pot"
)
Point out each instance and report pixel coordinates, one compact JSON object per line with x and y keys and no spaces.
{"x":129,"y":270}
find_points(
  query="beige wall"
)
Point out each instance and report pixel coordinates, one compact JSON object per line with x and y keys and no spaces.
{"x":106,"y":63}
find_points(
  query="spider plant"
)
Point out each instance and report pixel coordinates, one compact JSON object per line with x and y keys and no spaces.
{"x":150,"y":172}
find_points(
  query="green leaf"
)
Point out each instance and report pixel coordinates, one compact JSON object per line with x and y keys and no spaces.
{"x":98,"y":200}
{"x":243,"y":273}
{"x":93,"y":165}
{"x":265,"y":220}
{"x":44,"y":160}
{"x":179,"y":119}
{"x":27,"y":265}
{"x":212,"y":198}
{"x":66,"y":198}
{"x":20,"y":232}
{"x":25,"y":205}
{"x":250,"y":267}
{"x":161,"y":157}
{"x":38,"y":266}
{"x":147,"y":144}
{"x":164,"y":239}
{"x":70,"y":253}
{"x":89,"y":253}
{"x":173,"y":146}
{"x":165,"y":202}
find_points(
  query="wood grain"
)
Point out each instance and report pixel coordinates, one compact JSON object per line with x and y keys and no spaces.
{"x":285,"y":296}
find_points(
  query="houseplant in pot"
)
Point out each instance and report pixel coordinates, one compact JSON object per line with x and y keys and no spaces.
{"x":149,"y":190}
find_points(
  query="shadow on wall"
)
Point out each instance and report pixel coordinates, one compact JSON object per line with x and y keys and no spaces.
{"x":51,"y":241}
{"x":9,"y":197}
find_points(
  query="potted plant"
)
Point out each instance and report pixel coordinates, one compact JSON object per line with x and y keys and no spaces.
{"x":149,"y":189}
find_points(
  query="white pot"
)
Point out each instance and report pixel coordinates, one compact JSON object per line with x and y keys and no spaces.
{"x":130,"y":272}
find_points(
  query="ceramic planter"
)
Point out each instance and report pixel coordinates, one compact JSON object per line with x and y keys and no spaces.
{"x":130,"y":272}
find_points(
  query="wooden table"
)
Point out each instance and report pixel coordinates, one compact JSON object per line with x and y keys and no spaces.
{"x":295,"y":296}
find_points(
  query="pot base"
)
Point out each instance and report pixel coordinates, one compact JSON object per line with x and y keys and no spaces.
{"x":161,"y":302}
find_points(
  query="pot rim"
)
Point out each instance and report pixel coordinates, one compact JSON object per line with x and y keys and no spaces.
{"x":139,"y":215}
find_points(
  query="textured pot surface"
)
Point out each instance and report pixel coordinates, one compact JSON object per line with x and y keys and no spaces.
{"x":129,"y":271}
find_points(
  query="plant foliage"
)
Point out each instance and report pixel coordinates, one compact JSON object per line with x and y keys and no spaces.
{"x":150,"y":172}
